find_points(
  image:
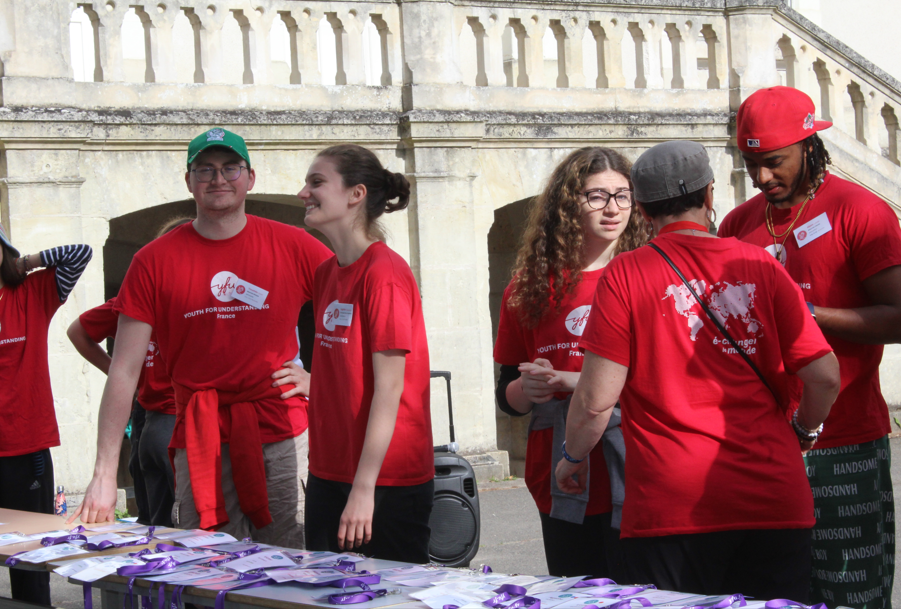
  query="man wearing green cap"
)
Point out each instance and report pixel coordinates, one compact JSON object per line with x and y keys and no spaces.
{"x":223,"y":294}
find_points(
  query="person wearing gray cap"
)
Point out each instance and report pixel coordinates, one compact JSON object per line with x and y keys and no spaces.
{"x":697,"y":340}
{"x":28,"y":430}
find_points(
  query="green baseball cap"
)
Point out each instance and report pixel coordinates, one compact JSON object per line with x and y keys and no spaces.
{"x":217,"y":137}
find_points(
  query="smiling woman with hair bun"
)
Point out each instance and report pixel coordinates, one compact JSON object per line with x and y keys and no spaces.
{"x":371,"y":458}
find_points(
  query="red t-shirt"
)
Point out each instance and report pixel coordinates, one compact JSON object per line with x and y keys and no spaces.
{"x":555,"y":339}
{"x":26,"y":403}
{"x":155,"y":387}
{"x":369,"y":306}
{"x":864,"y":239}
{"x":708,"y":448}
{"x":184,"y":285}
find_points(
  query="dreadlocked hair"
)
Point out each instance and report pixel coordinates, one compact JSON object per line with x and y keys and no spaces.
{"x":816,"y":157}
{"x":549,"y":263}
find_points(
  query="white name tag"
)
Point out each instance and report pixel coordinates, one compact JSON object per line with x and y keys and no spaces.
{"x":817,"y":227}
{"x":250,"y":294}
{"x":337,"y":314}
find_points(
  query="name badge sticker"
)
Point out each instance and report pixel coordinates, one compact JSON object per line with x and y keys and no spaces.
{"x":337,"y":314}
{"x":814,"y":229}
{"x":250,"y":294}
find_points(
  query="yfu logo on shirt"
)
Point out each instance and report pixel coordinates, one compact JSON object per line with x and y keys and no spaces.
{"x":576,"y":320}
{"x":226,"y":286}
{"x":337,"y":314}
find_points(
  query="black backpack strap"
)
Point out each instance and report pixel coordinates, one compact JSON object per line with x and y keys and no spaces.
{"x":715,"y":320}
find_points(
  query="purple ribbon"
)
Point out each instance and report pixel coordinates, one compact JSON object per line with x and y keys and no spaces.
{"x":630,"y":591}
{"x":486,"y":569}
{"x":627,"y":603}
{"x":357,"y":597}
{"x":88,"y":596}
{"x":591,"y":583}
{"x":508,"y":592}
{"x":783,"y":603}
{"x":261,"y":579}
{"x":73,"y":535}
{"x":103,"y":545}
{"x":726,"y":602}
{"x":12,"y":561}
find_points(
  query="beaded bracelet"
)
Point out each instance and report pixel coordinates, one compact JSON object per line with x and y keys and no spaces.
{"x":569,"y":458}
{"x":809,"y":435}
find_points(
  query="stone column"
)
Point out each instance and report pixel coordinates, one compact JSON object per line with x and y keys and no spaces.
{"x":575,"y":27}
{"x":752,"y":41}
{"x":451,"y":271}
{"x":109,"y":52}
{"x":207,"y":23}
{"x":614,"y":30}
{"x":430,"y":46}
{"x":494,"y":51}
{"x":162,"y":58}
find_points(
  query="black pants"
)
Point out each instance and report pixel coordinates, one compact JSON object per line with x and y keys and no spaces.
{"x":591,"y":548}
{"x":159,"y":481}
{"x":26,"y":483}
{"x":765,"y":564}
{"x":134,"y":463}
{"x":400,"y":521}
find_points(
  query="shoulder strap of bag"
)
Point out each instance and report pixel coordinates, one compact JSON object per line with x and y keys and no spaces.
{"x":715,"y":320}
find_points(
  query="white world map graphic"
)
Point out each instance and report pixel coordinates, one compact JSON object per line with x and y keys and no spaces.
{"x":727,"y":301}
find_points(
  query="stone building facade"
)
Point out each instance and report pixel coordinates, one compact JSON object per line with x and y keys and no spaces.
{"x":475,"y":100}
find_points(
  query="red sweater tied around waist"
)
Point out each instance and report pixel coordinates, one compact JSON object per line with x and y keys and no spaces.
{"x":204,"y":449}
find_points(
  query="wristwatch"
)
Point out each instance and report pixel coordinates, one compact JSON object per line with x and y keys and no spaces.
{"x":811,"y":309}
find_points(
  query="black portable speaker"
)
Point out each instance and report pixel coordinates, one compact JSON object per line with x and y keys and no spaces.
{"x":455,"y":520}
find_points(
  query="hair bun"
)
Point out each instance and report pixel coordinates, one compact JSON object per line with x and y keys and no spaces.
{"x":396,"y":187}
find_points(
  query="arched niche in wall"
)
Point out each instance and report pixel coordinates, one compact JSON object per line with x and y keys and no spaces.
{"x":504,"y":240}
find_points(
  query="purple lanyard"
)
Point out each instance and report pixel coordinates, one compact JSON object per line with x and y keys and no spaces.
{"x":728,"y":602}
{"x":73,"y":535}
{"x":591,"y":583}
{"x":103,"y":545}
{"x":254,"y":580}
{"x":508,"y":592}
{"x":627,"y":603}
{"x":356,"y":597}
{"x":782,"y":603}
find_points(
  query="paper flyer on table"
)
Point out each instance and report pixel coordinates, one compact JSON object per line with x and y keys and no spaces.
{"x":421,"y":580}
{"x":40,"y":536}
{"x":478,"y":591}
{"x":553,"y":599}
{"x":218,"y":578}
{"x":183,"y":557}
{"x":305,"y":576}
{"x":458,"y":599}
{"x":207,"y":539}
{"x":520,"y":580}
{"x":231,"y":548}
{"x":579,"y":600}
{"x":107,"y":566}
{"x":178,"y":533}
{"x":331,"y":557}
{"x":270,"y":559}
{"x":395,"y":572}
{"x":11,"y":538}
{"x":185,"y":576}
{"x":116,"y":526}
{"x":558,"y":584}
{"x":666,"y":597}
{"x":51,"y":553}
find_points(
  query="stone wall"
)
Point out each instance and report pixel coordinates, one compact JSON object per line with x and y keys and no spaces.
{"x":475,"y":101}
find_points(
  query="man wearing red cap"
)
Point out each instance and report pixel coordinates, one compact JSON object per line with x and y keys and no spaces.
{"x":842,"y":245}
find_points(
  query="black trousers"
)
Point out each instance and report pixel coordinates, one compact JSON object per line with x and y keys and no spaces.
{"x":765,"y":564}
{"x":26,"y":483}
{"x":591,"y":548}
{"x":400,"y":521}
{"x":134,"y":463}
{"x":159,"y":480}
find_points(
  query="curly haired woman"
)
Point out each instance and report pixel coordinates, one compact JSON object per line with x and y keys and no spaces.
{"x":577,"y":225}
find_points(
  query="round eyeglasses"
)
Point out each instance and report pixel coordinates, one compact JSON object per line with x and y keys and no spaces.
{"x":207,"y":174}
{"x":599,"y":199}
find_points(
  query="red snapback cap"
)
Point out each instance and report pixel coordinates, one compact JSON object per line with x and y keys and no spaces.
{"x":774,"y":118}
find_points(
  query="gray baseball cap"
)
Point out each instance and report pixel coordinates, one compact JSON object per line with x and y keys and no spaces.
{"x":670,"y":170}
{"x":7,"y":242}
